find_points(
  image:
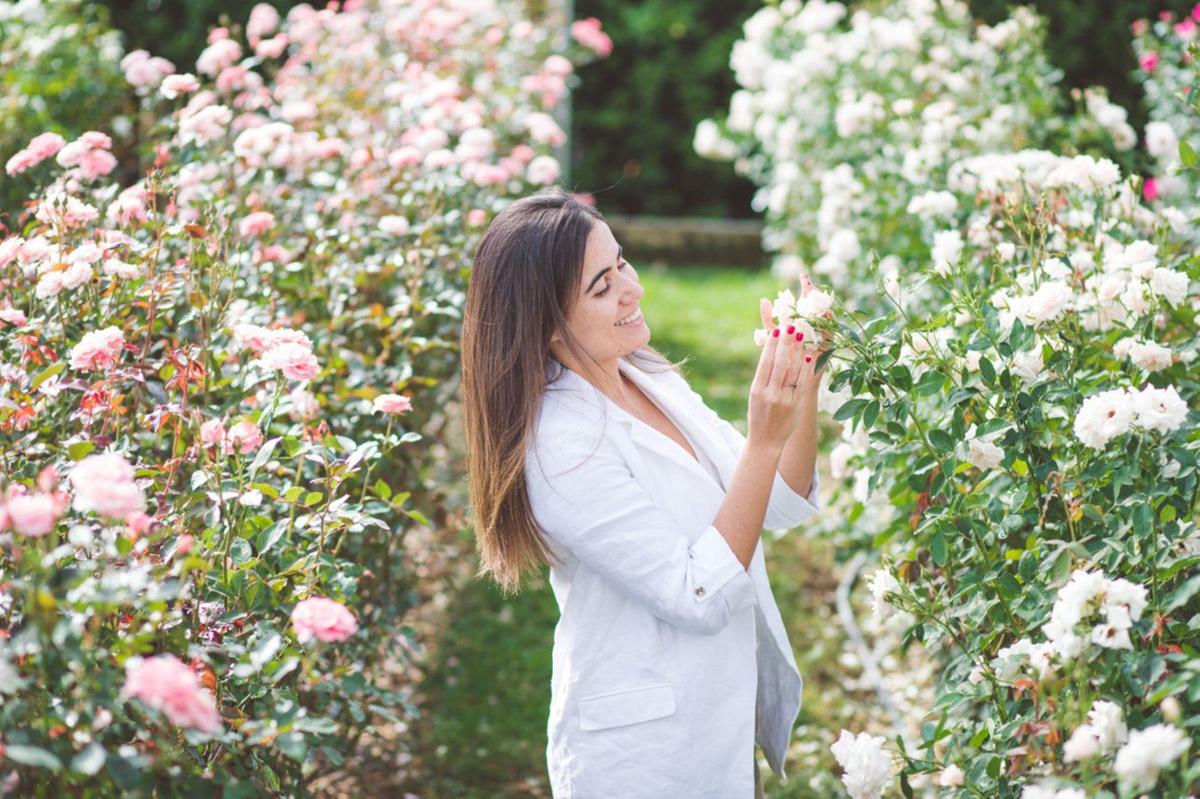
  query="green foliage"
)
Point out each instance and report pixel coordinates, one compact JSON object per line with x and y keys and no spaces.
{"x":59,"y":71}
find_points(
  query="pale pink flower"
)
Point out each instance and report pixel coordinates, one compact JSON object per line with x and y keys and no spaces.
{"x":244,"y":437}
{"x":13,"y":316}
{"x":138,"y":523}
{"x":304,"y":404}
{"x":391,"y":403}
{"x":165,"y":683}
{"x":206,"y":124}
{"x":295,"y":361}
{"x":404,"y":157}
{"x":476,"y":217}
{"x":218,"y":55}
{"x":543,"y":170}
{"x":94,"y":139}
{"x":263,"y":21}
{"x":273,"y":47}
{"x":1148,"y":61}
{"x":98,"y":349}
{"x":45,"y":145}
{"x":323,"y":619}
{"x":104,"y":483}
{"x":256,"y":224}
{"x":10,"y":249}
{"x":587,"y":32}
{"x":33,"y":514}
{"x":212,"y":432}
{"x":523,"y":153}
{"x":184,"y":544}
{"x":20,"y":161}
{"x":175,"y":85}
{"x":143,"y":70}
{"x":96,"y":164}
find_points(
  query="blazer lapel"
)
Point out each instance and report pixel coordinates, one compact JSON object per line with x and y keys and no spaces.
{"x":679,"y":410}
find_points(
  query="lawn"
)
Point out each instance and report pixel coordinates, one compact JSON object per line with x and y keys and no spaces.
{"x":487,"y":689}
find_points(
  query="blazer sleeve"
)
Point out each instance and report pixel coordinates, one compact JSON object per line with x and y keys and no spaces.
{"x":587,"y":501}
{"x":786,"y":508}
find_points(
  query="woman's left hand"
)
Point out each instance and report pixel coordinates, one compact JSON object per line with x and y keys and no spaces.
{"x":807,"y":379}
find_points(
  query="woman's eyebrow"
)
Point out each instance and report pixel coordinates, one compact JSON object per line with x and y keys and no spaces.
{"x":600,"y":274}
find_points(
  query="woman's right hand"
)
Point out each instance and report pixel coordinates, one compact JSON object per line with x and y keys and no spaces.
{"x":775,"y":406}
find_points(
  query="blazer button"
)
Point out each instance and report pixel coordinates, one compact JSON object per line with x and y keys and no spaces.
{"x":699,"y":590}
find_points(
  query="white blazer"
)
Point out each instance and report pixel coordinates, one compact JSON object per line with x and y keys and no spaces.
{"x":670,"y":659}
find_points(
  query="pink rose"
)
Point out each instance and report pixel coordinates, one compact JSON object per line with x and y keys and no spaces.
{"x":295,"y":361}
{"x":184,"y":544}
{"x":94,"y":139}
{"x":244,"y":437}
{"x":256,"y":224}
{"x":587,"y":32}
{"x":323,"y":619}
{"x":543,"y":170}
{"x":1150,"y":189}
{"x":20,"y":161}
{"x":138,"y":523}
{"x":212,"y":432}
{"x":489,"y":175}
{"x":33,"y":514}
{"x":96,"y":164}
{"x":271,"y":48}
{"x":175,"y":85}
{"x":404,"y":157}
{"x":98,"y":349}
{"x":104,"y":484}
{"x":165,"y":683}
{"x":218,"y":55}
{"x":13,"y":316}
{"x":264,"y":20}
{"x":1149,"y":61}
{"x":142,"y":70}
{"x":44,"y":145}
{"x":476,"y":217}
{"x":391,"y":403}
{"x":523,"y":153}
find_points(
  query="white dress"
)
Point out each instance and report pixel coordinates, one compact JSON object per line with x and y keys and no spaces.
{"x":670,"y":659}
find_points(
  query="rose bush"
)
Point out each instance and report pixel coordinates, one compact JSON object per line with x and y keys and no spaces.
{"x":215,"y":379}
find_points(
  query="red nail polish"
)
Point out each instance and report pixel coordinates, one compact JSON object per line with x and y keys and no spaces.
{"x":791,"y":329}
{"x":775,"y":333}
{"x":801,"y":337}
{"x":807,"y":358}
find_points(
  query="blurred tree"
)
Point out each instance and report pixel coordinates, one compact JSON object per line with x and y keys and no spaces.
{"x":635,"y":113}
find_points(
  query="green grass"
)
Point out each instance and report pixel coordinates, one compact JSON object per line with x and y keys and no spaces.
{"x":486,"y":693}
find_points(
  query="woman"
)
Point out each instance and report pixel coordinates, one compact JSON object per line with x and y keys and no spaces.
{"x":589,"y":452}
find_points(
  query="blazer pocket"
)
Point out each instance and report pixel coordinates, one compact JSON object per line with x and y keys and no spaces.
{"x":628,"y":706}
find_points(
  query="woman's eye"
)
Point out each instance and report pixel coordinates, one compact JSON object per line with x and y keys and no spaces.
{"x":608,"y":286}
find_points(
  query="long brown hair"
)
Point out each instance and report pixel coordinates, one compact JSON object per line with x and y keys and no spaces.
{"x":524,"y":282}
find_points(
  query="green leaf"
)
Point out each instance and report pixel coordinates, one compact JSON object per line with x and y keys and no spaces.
{"x":263,"y":455}
{"x":941,"y":440}
{"x":871,"y":413}
{"x":271,"y":536}
{"x":32,"y":756}
{"x":987,"y":371}
{"x":937,"y":548}
{"x":382,"y":489}
{"x":1182,"y":594}
{"x":240,"y":551}
{"x":849,"y":409}
{"x":294,"y":745}
{"x":47,"y":373}
{"x":79,"y":449}
{"x":90,"y":760}
{"x":930,"y":383}
{"x":1187,"y":155}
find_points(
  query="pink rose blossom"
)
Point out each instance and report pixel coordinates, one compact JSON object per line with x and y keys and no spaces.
{"x":263,"y":21}
{"x":1150,"y":189}
{"x":94,"y":139}
{"x":165,"y":683}
{"x":523,"y":153}
{"x":295,"y":361}
{"x":476,"y":217}
{"x":244,"y":437}
{"x":212,"y":432}
{"x":273,"y":47}
{"x":1149,"y":61}
{"x":96,"y":164}
{"x":33,"y":514}
{"x":13,"y":316}
{"x":138,"y":523}
{"x":218,"y":55}
{"x":184,"y":544}
{"x":104,"y":484}
{"x":587,"y":32}
{"x":175,"y":85}
{"x":256,"y":224}
{"x":21,"y":161}
{"x":98,"y":349}
{"x":142,"y":70}
{"x":404,"y":157}
{"x":391,"y":403}
{"x":323,"y":619}
{"x":543,"y":170}
{"x":44,"y":145}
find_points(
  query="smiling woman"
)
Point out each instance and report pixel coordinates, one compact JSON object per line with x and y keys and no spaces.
{"x":589,"y":452}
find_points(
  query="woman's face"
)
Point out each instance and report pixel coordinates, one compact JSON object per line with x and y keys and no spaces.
{"x":609,"y":293}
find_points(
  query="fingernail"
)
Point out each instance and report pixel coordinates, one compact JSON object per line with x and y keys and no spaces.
{"x":807,"y":358}
{"x":791,"y":329}
{"x":801,"y":337}
{"x":775,"y":333}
